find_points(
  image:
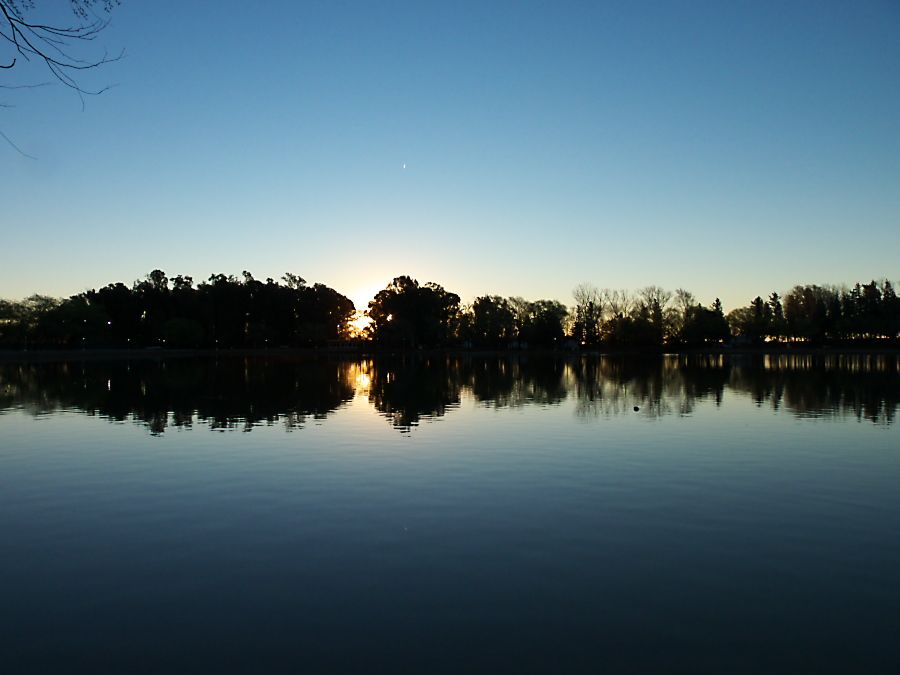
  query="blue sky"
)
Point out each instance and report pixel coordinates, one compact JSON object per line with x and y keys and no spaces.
{"x":728,"y":148}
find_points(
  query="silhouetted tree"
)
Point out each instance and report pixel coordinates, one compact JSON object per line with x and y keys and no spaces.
{"x":39,"y":320}
{"x":521,"y":310}
{"x":685,"y":303}
{"x":705,"y":325}
{"x":406,"y":314}
{"x":809,"y":312}
{"x":542,"y":323}
{"x":777,"y":322}
{"x":617,"y":302}
{"x":890,"y":311}
{"x":493,"y":321}
{"x":870,"y":318}
{"x":753,"y":323}
{"x":13,"y":326}
{"x":652,"y":309}
{"x":851,"y":308}
{"x":588,"y":314}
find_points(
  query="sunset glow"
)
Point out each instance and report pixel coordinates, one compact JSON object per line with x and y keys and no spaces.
{"x":359,"y":324}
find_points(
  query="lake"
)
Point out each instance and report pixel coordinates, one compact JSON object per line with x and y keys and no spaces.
{"x":446,"y":514}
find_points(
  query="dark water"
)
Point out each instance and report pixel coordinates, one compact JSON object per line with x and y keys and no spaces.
{"x":451,"y":515}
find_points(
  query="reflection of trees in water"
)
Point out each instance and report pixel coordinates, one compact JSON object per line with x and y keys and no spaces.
{"x":866,"y":386}
{"x":502,"y":382}
{"x":658,"y":386}
{"x":224,"y":394}
{"x":238,"y":393}
{"x":407,"y":389}
{"x":863,"y":386}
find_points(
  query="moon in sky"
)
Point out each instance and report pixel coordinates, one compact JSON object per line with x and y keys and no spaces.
{"x":404,"y":165}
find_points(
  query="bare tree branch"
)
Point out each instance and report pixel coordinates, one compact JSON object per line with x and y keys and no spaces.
{"x":25,"y":86}
{"x":16,"y":147}
{"x":56,"y":46}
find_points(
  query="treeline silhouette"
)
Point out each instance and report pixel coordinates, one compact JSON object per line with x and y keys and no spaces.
{"x":228,"y":312}
{"x":653,"y":317}
{"x":241,"y":393}
{"x":223,"y":312}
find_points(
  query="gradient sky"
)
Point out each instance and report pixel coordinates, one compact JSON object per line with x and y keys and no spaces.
{"x":730,"y":148}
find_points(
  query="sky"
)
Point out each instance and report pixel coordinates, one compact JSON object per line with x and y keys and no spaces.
{"x":511,"y":148}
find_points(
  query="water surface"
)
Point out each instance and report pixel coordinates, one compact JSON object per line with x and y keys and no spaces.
{"x":444,"y":514}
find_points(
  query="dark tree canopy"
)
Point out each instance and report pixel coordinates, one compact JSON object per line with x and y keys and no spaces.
{"x":407,"y":314}
{"x":705,"y":325}
{"x":158,"y":311}
{"x":493,"y":321}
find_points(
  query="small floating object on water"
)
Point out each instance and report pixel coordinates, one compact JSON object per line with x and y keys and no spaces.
{"x":636,"y":409}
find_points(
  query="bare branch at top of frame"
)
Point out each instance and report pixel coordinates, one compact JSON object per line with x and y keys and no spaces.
{"x":56,"y":45}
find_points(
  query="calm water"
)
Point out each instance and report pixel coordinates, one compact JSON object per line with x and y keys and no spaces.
{"x":451,"y":515}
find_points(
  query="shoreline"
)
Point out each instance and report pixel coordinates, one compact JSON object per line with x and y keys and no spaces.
{"x":144,"y":354}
